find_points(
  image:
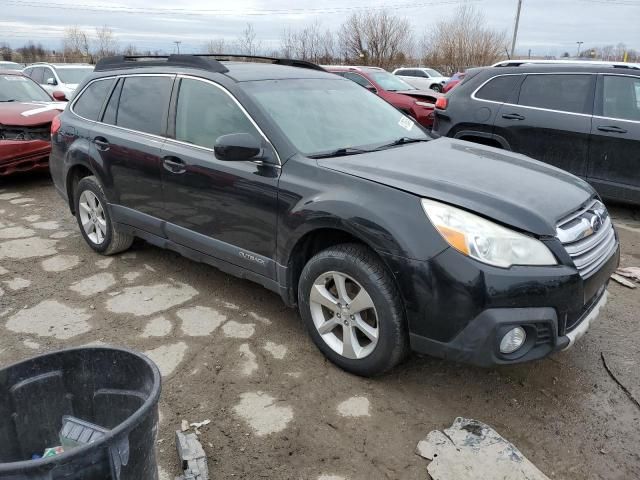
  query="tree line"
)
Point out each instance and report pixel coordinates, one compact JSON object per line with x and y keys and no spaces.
{"x":377,"y":38}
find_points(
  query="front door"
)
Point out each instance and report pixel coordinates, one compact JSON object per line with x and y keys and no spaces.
{"x":614,"y":161}
{"x":226,"y":209}
{"x":551,"y":120}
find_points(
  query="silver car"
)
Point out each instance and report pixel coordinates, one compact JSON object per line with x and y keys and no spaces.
{"x":422,"y":78}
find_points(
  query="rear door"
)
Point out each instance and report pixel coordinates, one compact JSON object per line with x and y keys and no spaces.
{"x":551,"y":120}
{"x":128,"y":144}
{"x":226,"y":209}
{"x":614,"y":166}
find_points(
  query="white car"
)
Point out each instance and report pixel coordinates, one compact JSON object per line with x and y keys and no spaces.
{"x":62,"y":77}
{"x":422,"y":78}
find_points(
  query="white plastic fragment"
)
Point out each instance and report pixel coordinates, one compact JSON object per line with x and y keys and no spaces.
{"x":472,"y":450}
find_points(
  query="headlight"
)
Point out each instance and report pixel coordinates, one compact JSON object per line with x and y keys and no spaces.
{"x":484,"y":240}
{"x":424,"y":104}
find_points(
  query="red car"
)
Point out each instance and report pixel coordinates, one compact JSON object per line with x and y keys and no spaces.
{"x":26,"y":112}
{"x":453,"y":81}
{"x":419,"y":104}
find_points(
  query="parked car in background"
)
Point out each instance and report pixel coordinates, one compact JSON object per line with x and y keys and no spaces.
{"x":582,"y":118}
{"x":453,"y":81}
{"x":423,"y":78}
{"x":419,"y":104}
{"x":307,"y":184}
{"x":26,"y":113}
{"x":5,"y":65}
{"x":59,"y":77}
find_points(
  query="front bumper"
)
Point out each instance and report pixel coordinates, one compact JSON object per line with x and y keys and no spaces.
{"x":459,"y":309}
{"x":23,"y":156}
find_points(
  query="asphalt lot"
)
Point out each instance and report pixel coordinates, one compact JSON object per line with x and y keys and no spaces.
{"x":231,"y":352}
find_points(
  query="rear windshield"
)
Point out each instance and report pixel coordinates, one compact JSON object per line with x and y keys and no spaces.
{"x":322,"y":115}
{"x":17,"y":88}
{"x":73,"y":75}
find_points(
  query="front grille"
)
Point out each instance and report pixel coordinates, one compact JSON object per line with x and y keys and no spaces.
{"x":25,"y":133}
{"x":588,"y":237}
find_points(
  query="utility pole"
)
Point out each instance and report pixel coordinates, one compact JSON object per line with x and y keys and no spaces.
{"x":579,"y":45}
{"x":515,"y":29}
{"x":178,"y":42}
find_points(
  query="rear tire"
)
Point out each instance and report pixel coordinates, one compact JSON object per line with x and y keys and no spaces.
{"x":94,"y":219}
{"x":363,"y":329}
{"x":437,"y":88}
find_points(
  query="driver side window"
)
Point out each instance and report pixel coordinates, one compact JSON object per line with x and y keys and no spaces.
{"x":360,"y":80}
{"x":205,"y":112}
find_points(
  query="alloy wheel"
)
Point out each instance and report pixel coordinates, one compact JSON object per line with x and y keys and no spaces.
{"x":92,"y":217}
{"x":344,"y":315}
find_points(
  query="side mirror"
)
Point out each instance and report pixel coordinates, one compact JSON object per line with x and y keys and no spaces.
{"x":237,"y":147}
{"x":51,"y":81}
{"x":371,"y":88}
{"x":59,"y":96}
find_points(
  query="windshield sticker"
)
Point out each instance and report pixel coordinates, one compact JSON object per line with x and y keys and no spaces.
{"x":406,"y":123}
{"x":36,"y":111}
{"x":15,"y":78}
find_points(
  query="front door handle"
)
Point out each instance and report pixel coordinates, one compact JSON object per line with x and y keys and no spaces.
{"x":174,"y":165}
{"x":101,"y":143}
{"x":611,"y":129}
{"x":513,"y":116}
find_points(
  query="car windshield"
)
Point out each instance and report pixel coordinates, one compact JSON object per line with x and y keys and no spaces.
{"x":73,"y":75}
{"x":17,"y":88}
{"x":390,"y":82}
{"x":432,"y":72}
{"x":320,"y":116}
{"x":10,"y":66}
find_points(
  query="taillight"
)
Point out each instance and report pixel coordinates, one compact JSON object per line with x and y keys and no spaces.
{"x":442,"y":103}
{"x":55,"y":124}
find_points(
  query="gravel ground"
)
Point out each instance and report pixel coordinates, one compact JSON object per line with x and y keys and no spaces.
{"x":230,"y":351}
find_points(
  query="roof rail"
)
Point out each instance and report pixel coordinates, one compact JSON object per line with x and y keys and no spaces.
{"x":289,"y":62}
{"x":593,"y":63}
{"x":137,"y":61}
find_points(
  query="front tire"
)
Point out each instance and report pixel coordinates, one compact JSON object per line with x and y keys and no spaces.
{"x":94,"y":219}
{"x":352,"y":308}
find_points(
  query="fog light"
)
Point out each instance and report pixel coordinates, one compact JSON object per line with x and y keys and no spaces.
{"x":513,"y":340}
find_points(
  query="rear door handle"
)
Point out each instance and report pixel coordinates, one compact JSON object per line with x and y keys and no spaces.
{"x":174,"y":165}
{"x":101,"y":143}
{"x":513,"y":116}
{"x":611,"y":129}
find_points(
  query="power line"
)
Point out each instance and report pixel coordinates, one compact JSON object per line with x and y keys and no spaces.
{"x":250,"y":12}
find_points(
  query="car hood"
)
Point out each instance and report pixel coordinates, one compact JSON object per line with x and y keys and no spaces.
{"x":504,"y":186}
{"x":29,"y":113}
{"x":430,"y":95}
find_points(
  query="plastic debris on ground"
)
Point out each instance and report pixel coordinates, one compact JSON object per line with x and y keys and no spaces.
{"x":627,"y":276}
{"x":471,"y":450}
{"x":198,"y":425}
{"x":193,"y":460}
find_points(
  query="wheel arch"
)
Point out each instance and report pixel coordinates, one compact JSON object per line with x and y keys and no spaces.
{"x":75,"y":173}
{"x":483,"y":138}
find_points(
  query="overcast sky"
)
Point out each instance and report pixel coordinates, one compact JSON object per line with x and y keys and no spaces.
{"x":547,"y":27}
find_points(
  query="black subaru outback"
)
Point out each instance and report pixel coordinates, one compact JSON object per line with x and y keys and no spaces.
{"x":302,"y":181}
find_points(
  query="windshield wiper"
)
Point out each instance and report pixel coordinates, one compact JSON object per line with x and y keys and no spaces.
{"x":340,"y":152}
{"x":401,"y":141}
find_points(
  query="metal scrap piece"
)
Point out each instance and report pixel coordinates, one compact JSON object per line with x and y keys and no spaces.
{"x":193,"y":460}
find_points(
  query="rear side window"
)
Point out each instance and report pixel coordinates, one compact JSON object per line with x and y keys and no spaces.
{"x":89,"y":104}
{"x":498,"y":89}
{"x":566,"y":93}
{"x":204,"y":113}
{"x":621,"y":97}
{"x":143,"y":104}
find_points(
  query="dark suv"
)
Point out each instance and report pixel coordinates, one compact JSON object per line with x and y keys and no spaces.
{"x":582,"y":118}
{"x":306,"y":183}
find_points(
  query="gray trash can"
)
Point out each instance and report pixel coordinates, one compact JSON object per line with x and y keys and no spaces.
{"x":115,"y":390}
